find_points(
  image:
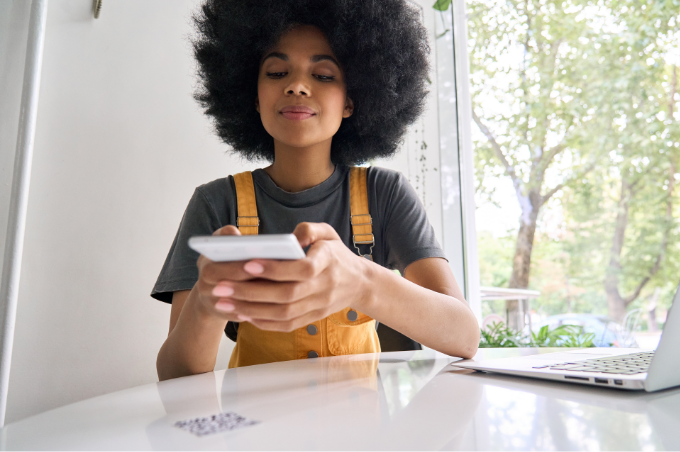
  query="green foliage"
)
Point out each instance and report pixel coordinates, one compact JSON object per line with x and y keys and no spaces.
{"x":442,"y":5}
{"x":562,"y":336}
{"x":563,"y":288}
{"x":494,"y":256}
{"x":581,"y":96}
{"x":498,"y":335}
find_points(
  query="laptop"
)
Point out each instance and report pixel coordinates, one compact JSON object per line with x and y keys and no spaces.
{"x":633,"y":369}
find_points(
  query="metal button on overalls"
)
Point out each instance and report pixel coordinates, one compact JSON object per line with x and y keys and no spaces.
{"x":311,"y":329}
{"x":352,"y":316}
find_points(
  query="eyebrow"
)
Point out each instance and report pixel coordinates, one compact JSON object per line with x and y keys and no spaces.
{"x":317,"y":58}
{"x":313,"y":59}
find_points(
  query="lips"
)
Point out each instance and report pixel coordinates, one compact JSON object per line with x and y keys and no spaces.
{"x":297,"y":112}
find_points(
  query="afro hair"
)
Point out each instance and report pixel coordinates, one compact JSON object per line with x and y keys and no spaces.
{"x":380,"y":44}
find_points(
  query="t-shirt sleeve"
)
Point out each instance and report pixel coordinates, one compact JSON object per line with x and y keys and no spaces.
{"x":179,"y":270}
{"x":409,"y":236}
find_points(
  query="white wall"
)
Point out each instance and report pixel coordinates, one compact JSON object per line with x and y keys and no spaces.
{"x":120,"y":146}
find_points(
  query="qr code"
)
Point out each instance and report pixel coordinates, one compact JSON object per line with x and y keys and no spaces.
{"x":217,"y":423}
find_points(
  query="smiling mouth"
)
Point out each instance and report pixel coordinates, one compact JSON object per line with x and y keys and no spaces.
{"x":297,"y":112}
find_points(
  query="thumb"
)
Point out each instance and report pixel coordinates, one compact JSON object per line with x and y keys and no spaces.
{"x":227,"y":230}
{"x":308,"y":233}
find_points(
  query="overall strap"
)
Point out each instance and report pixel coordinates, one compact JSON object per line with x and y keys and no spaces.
{"x":362,"y":223}
{"x":247,"y":219}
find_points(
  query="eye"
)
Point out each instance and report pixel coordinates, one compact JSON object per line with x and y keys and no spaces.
{"x":325,"y":78}
{"x":276,"y":74}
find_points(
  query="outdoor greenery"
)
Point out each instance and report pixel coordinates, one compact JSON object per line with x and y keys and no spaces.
{"x":498,"y":335}
{"x":577,"y":116}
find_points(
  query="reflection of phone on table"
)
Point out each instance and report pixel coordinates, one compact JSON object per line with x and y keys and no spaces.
{"x":224,"y":248}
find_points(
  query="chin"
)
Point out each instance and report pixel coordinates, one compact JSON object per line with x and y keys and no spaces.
{"x":299,"y":141}
{"x":302,"y":144}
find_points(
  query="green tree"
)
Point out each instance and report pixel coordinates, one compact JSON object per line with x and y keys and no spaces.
{"x":635,"y":185}
{"x":571,"y":97}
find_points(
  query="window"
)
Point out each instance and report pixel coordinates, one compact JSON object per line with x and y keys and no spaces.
{"x":576,"y":142}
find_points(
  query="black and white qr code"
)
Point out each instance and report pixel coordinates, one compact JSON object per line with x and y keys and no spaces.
{"x":217,"y":423}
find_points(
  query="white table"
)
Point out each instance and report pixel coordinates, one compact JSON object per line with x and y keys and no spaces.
{"x":404,"y":400}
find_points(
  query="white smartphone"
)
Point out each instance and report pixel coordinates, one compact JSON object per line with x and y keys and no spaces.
{"x":226,"y":248}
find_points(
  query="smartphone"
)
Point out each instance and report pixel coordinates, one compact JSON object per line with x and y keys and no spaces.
{"x":226,"y":248}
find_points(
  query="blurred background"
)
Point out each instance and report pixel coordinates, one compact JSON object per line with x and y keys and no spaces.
{"x":577,"y":160}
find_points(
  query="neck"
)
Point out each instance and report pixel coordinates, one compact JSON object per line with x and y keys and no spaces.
{"x":297,"y":169}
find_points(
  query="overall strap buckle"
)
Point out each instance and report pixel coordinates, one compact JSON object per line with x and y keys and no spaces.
{"x":247,"y":220}
{"x":360,"y":218}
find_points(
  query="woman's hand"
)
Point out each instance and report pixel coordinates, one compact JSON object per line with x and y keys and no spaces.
{"x":208,"y":300}
{"x":196,"y":323}
{"x":289,"y":294}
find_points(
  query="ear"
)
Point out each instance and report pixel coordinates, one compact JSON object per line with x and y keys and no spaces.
{"x":349,"y":108}
{"x":257,"y":104}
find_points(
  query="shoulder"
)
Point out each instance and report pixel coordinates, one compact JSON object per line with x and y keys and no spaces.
{"x":216,"y":187}
{"x":385,"y":183}
{"x":390,"y":190}
{"x":216,"y":192}
{"x":383,"y":178}
{"x":213,"y":200}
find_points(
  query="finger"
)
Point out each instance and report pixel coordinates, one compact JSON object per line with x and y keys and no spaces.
{"x":227,"y":230}
{"x":220,"y":267}
{"x":273,"y":311}
{"x":308,"y":233}
{"x":265,"y":291}
{"x":286,"y":326}
{"x":317,"y":260}
{"x":210,"y":292}
{"x":224,"y":308}
{"x":214,"y":272}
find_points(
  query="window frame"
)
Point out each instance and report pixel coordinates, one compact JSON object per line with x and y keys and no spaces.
{"x":459,"y":227}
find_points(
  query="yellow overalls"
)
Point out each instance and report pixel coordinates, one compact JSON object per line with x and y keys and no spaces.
{"x":343,"y":333}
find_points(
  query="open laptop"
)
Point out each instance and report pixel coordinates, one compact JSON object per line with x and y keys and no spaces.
{"x":633,"y":369}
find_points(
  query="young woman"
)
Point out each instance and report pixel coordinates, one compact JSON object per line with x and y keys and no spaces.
{"x":312,"y":87}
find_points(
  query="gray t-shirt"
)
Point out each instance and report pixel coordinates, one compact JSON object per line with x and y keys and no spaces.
{"x":402,"y":232}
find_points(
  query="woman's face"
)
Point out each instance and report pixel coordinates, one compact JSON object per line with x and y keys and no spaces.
{"x":302,"y":96}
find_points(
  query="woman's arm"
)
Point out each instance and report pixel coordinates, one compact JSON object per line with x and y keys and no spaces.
{"x":197,"y":319}
{"x":426,"y":305}
{"x":193,"y":341}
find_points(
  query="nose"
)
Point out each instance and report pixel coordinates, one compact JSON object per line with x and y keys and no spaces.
{"x":297,"y":87}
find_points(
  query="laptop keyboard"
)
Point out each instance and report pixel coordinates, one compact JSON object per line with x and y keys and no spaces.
{"x":634,"y":363}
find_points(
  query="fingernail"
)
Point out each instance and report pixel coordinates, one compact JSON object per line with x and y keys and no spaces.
{"x":222,"y":291}
{"x":244,"y":318}
{"x":224,"y":306}
{"x":253,"y":268}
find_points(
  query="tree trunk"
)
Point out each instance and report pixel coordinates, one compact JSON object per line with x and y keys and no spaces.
{"x":615,"y":302}
{"x":652,"y":324}
{"x":521,"y":262}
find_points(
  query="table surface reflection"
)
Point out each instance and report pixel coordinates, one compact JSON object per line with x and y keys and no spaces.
{"x":400,"y":400}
